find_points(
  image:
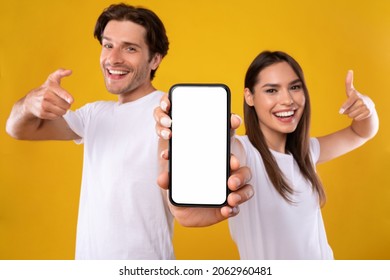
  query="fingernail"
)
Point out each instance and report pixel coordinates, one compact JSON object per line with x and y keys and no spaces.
{"x":166,"y":122}
{"x":162,"y":154}
{"x":163,"y":105}
{"x":165,"y":134}
{"x":341,"y":111}
{"x":238,"y":118}
{"x":235,"y":210}
{"x":237,"y":197}
{"x":236,"y":181}
{"x":249,"y":193}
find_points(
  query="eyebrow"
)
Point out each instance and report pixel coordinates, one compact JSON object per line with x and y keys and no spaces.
{"x":296,"y":81}
{"x":278,"y":85}
{"x":124,"y":42}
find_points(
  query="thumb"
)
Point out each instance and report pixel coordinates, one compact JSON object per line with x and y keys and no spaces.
{"x":235,"y":122}
{"x":349,"y":83}
{"x":55,"y":78}
{"x":351,"y":93}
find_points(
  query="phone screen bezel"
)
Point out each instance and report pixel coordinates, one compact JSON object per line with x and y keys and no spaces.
{"x":198,"y":172}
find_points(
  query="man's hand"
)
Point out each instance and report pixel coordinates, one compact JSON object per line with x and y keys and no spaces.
{"x":50,"y":101}
{"x":38,"y":115}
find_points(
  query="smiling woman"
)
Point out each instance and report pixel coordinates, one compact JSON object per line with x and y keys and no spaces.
{"x":283,"y":220}
{"x":279,"y":102}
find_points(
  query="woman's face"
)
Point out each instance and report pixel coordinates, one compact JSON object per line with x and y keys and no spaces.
{"x":278,"y":99}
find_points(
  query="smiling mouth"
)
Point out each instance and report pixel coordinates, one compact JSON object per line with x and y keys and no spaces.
{"x":284,"y":115}
{"x":117,"y":72}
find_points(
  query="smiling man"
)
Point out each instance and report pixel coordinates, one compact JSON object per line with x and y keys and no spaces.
{"x":123,"y":214}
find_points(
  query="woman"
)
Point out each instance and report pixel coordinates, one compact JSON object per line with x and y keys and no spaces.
{"x":282,"y":217}
{"x":283,"y":220}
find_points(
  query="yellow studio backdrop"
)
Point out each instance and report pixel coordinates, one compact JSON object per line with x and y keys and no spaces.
{"x":211,"y":41}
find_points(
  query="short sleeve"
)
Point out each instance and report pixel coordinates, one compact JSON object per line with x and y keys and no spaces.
{"x":314,"y":149}
{"x":77,"y":121}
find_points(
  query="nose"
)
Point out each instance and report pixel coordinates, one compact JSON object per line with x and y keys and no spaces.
{"x":286,"y":97}
{"x":115,"y":56}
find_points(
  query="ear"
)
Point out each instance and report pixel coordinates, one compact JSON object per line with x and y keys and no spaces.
{"x":156,"y":60}
{"x":248,"y":97}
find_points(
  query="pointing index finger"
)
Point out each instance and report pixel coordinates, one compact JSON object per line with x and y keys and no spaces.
{"x":55,"y":78}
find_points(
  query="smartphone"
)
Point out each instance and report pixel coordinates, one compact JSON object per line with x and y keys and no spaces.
{"x":199,"y":148}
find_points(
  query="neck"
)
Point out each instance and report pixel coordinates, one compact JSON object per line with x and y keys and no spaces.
{"x":136,"y":93}
{"x":277,"y":142}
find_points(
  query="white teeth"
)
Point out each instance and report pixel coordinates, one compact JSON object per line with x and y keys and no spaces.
{"x":117,"y":72}
{"x":284,"y":114}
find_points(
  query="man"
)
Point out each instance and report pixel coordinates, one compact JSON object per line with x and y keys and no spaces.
{"x":123,"y":214}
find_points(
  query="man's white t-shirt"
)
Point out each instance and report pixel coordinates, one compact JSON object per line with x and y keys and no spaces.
{"x":269,"y":227}
{"x":122,"y":211}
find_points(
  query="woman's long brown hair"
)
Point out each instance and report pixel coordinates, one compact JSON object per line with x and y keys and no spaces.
{"x":298,"y":142}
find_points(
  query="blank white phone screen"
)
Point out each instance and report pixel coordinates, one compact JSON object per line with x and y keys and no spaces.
{"x":199,"y":146}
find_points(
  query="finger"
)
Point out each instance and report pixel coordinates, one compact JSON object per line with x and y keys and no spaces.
{"x":163,"y":180}
{"x":239,"y":178}
{"x":47,"y":104}
{"x":359,"y":111}
{"x":162,"y":117}
{"x":163,"y":123}
{"x":242,"y":195}
{"x":164,"y":133}
{"x":228,"y":212}
{"x":63,"y":94}
{"x":234,"y":163}
{"x":57,"y":75}
{"x":54,"y":81}
{"x":235,"y":122}
{"x":164,"y":154}
{"x":57,"y":106}
{"x":352,"y":98}
{"x":165,"y":104}
{"x":362,"y":116}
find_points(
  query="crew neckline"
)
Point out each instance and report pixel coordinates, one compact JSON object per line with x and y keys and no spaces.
{"x":142,"y":99}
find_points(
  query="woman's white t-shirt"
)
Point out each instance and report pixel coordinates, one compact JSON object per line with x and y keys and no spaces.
{"x":269,"y":227}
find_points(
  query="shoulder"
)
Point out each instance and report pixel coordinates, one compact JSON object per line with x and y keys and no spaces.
{"x":314,"y":149}
{"x":243,"y":139}
{"x":90,"y":108}
{"x":155,"y":96}
{"x":99,"y":105}
{"x":242,"y":148}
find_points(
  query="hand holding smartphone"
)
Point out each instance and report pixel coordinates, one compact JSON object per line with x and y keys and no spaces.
{"x":200,"y":144}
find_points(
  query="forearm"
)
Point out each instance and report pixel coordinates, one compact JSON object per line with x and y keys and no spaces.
{"x":25,"y":124}
{"x":21,"y":124}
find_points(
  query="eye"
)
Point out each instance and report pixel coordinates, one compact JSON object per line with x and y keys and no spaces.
{"x":271,"y":90}
{"x":131,"y":49}
{"x":296,"y":87}
{"x":107,"y":46}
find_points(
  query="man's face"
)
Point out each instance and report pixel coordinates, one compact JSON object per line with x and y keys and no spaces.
{"x":125,"y":59}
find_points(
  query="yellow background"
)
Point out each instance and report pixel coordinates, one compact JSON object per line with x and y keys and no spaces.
{"x":211,"y":41}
